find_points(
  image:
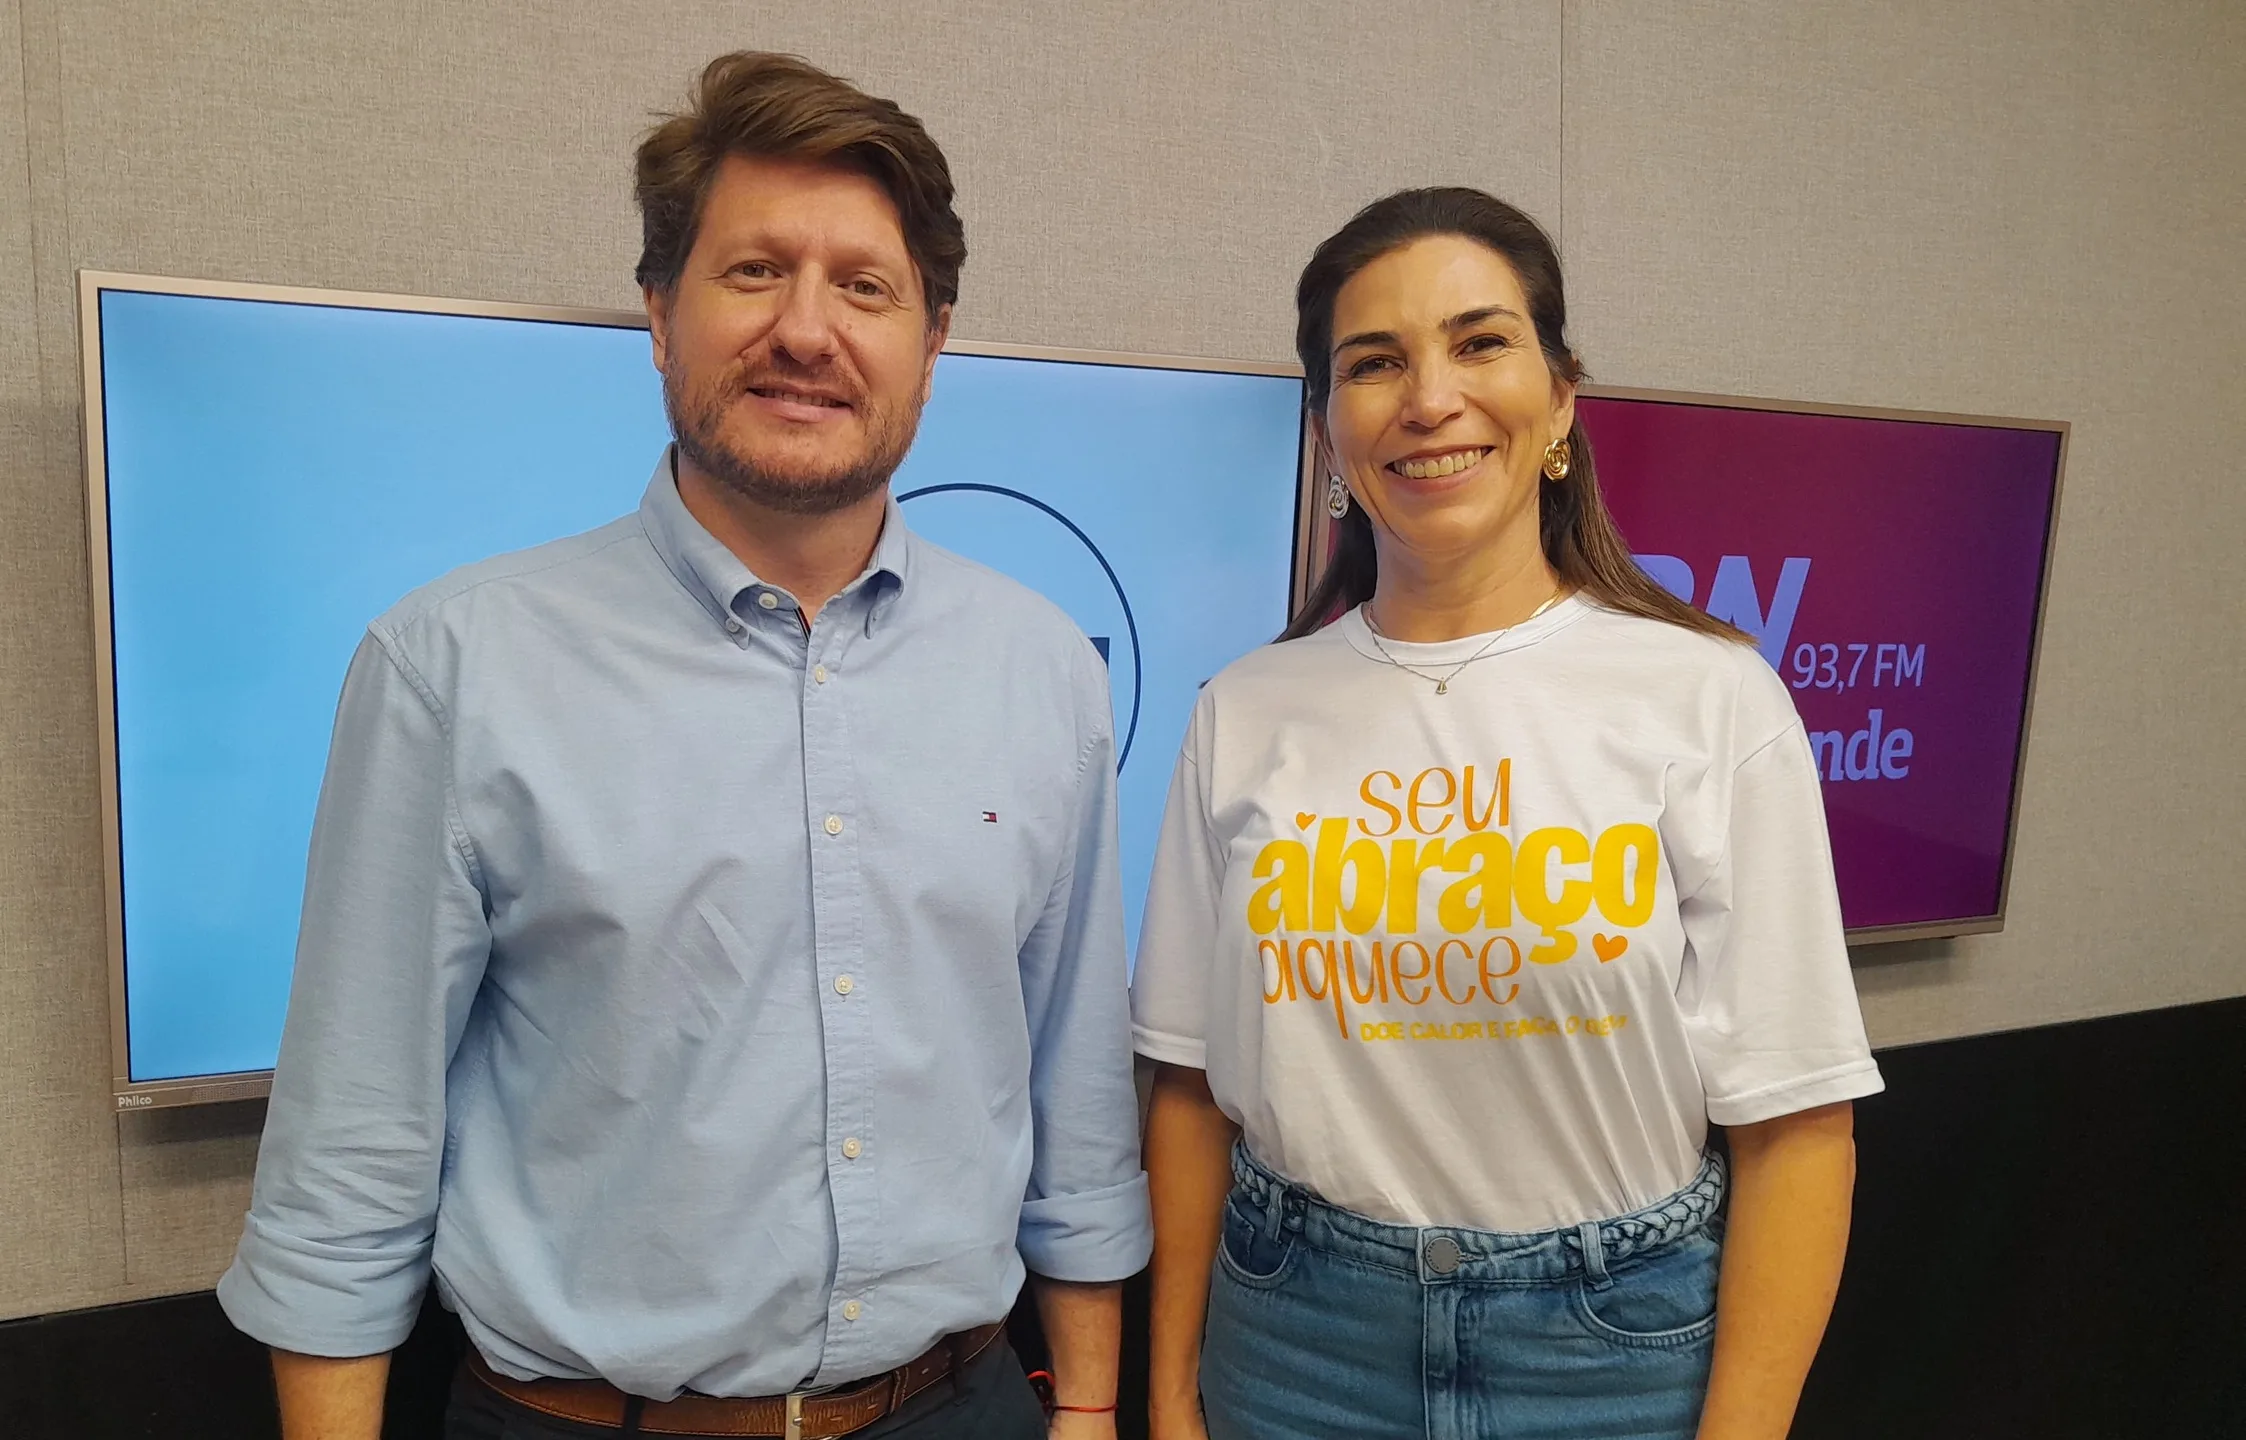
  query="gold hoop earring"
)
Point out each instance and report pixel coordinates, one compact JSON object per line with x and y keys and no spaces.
{"x":1559,"y":458}
{"x":1337,"y":497}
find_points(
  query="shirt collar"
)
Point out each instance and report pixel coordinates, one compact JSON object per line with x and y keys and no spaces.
{"x":726,"y":588}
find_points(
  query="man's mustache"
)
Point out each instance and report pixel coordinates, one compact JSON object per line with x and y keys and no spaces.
{"x":826,"y":381}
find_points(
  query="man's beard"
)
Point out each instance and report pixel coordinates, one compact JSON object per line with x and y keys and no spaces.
{"x":698,"y":419}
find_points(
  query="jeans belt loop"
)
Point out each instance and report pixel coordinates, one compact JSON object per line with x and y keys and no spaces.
{"x":1594,"y":1255}
{"x":1274,"y":1215}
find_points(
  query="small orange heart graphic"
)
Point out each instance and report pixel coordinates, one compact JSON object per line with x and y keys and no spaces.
{"x":1304,"y":818}
{"x":1609,"y":946}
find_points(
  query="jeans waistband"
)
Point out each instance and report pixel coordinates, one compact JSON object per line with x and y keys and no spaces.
{"x":1452,"y":1255}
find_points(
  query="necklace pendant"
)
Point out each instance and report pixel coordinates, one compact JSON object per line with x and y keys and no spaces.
{"x":1442,"y":687}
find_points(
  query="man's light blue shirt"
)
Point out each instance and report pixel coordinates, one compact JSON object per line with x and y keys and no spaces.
{"x":712,"y":1004}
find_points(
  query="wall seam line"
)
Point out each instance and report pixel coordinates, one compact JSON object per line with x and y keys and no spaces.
{"x":1560,"y":165}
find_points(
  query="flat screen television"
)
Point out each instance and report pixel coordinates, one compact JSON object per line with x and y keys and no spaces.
{"x":269,"y":469}
{"x":1893,"y":565}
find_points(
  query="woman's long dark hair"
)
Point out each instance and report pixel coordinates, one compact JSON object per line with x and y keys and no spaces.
{"x":1579,"y":537}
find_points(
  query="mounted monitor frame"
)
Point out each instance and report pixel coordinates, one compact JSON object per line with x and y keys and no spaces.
{"x":1994,"y":920}
{"x":131,"y":1095}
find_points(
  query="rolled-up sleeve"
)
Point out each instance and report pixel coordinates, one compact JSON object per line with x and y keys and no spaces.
{"x":393,"y":944}
{"x":1085,"y":1215}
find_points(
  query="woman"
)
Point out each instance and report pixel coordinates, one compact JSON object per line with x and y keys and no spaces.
{"x":1473,"y":909}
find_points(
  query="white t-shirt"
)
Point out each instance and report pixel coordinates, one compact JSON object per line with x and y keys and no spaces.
{"x":1497,"y":957}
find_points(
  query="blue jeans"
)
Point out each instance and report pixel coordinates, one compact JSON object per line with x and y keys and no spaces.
{"x":1324,"y":1323}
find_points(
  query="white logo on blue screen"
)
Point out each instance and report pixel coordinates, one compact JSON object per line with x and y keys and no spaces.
{"x":1025,"y":538}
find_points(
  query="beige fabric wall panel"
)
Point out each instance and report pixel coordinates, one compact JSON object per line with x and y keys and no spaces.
{"x":1144,"y":176}
{"x":1134,"y":175}
{"x":59,"y":1177}
{"x":2017,"y":209}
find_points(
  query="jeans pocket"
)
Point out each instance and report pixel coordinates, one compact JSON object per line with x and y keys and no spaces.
{"x":1248,"y":1256}
{"x":1658,"y":1300}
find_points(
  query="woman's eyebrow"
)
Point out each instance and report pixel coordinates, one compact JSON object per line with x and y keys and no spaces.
{"x":1463,"y":320}
{"x":1467,"y":319}
{"x":1365,"y":337}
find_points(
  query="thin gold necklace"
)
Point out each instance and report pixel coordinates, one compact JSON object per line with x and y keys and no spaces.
{"x":1443,"y":681}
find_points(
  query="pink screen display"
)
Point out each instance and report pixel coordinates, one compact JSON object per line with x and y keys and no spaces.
{"x":1892,"y":571}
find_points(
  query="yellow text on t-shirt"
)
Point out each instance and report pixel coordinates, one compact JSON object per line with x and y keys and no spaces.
{"x":1552,"y":877}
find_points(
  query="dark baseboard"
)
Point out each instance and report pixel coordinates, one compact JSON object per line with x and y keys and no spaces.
{"x":2047,"y":1247}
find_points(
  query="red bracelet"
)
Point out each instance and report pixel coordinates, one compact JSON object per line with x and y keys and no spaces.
{"x":1042,"y":1382}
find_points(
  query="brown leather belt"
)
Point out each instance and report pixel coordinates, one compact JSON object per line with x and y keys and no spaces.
{"x":799,"y":1416}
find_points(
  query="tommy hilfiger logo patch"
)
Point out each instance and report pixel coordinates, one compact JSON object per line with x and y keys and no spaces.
{"x":990,"y":817}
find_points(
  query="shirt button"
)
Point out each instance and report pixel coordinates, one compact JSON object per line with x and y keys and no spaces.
{"x":834,"y":824}
{"x":851,"y":1148}
{"x":733,"y":627}
{"x":851,"y":1309}
{"x":768,"y":600}
{"x":843,"y":984}
{"x":819,"y":673}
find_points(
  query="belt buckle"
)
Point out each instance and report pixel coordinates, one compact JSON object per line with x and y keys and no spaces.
{"x":795,"y":1414}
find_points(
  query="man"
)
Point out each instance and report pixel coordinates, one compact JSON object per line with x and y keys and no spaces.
{"x":711,"y":964}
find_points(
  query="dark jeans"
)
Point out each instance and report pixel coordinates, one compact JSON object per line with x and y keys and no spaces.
{"x":992,"y":1401}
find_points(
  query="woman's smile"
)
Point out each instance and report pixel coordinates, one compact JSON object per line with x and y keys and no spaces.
{"x":1432,"y":471}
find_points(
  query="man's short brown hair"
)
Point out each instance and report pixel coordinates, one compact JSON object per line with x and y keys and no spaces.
{"x":757,"y":104}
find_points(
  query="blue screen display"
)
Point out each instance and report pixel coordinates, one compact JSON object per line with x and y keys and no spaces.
{"x":279,"y":474}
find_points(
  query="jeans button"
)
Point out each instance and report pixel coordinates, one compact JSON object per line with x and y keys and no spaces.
{"x":1442,"y":1255}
